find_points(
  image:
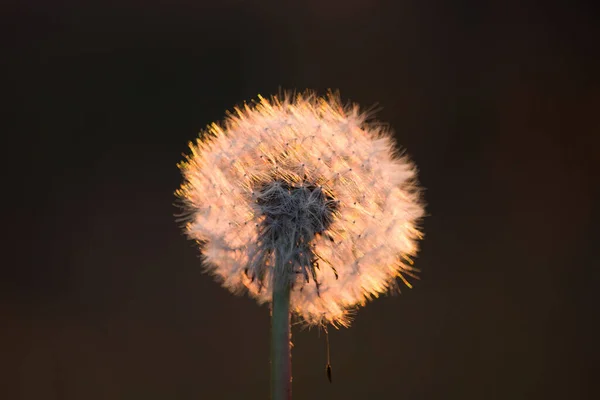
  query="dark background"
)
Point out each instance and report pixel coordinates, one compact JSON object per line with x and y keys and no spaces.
{"x":102,"y":297}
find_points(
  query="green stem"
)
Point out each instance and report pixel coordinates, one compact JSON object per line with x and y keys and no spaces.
{"x":281,"y":336}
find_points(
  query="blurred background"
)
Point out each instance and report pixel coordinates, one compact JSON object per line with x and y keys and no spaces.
{"x":102,"y":297}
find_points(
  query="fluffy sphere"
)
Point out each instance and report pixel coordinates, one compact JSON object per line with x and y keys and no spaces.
{"x":312,"y":182}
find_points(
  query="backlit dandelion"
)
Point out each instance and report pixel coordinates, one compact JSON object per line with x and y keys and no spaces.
{"x":304,"y":199}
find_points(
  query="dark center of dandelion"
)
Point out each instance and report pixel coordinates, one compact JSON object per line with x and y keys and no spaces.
{"x":293,"y":217}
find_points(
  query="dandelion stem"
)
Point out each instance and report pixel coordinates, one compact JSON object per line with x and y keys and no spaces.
{"x":281,"y":336}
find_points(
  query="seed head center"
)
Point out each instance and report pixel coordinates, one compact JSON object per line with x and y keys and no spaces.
{"x":293,"y":217}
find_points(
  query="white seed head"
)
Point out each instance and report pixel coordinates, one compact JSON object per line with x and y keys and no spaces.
{"x":312,"y":182}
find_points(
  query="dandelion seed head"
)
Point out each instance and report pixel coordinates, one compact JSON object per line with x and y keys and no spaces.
{"x":312,"y":181}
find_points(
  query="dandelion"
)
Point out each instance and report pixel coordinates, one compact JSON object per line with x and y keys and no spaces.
{"x":302,"y":203}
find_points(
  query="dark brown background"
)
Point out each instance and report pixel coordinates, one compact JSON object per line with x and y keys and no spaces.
{"x":101,"y":296}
